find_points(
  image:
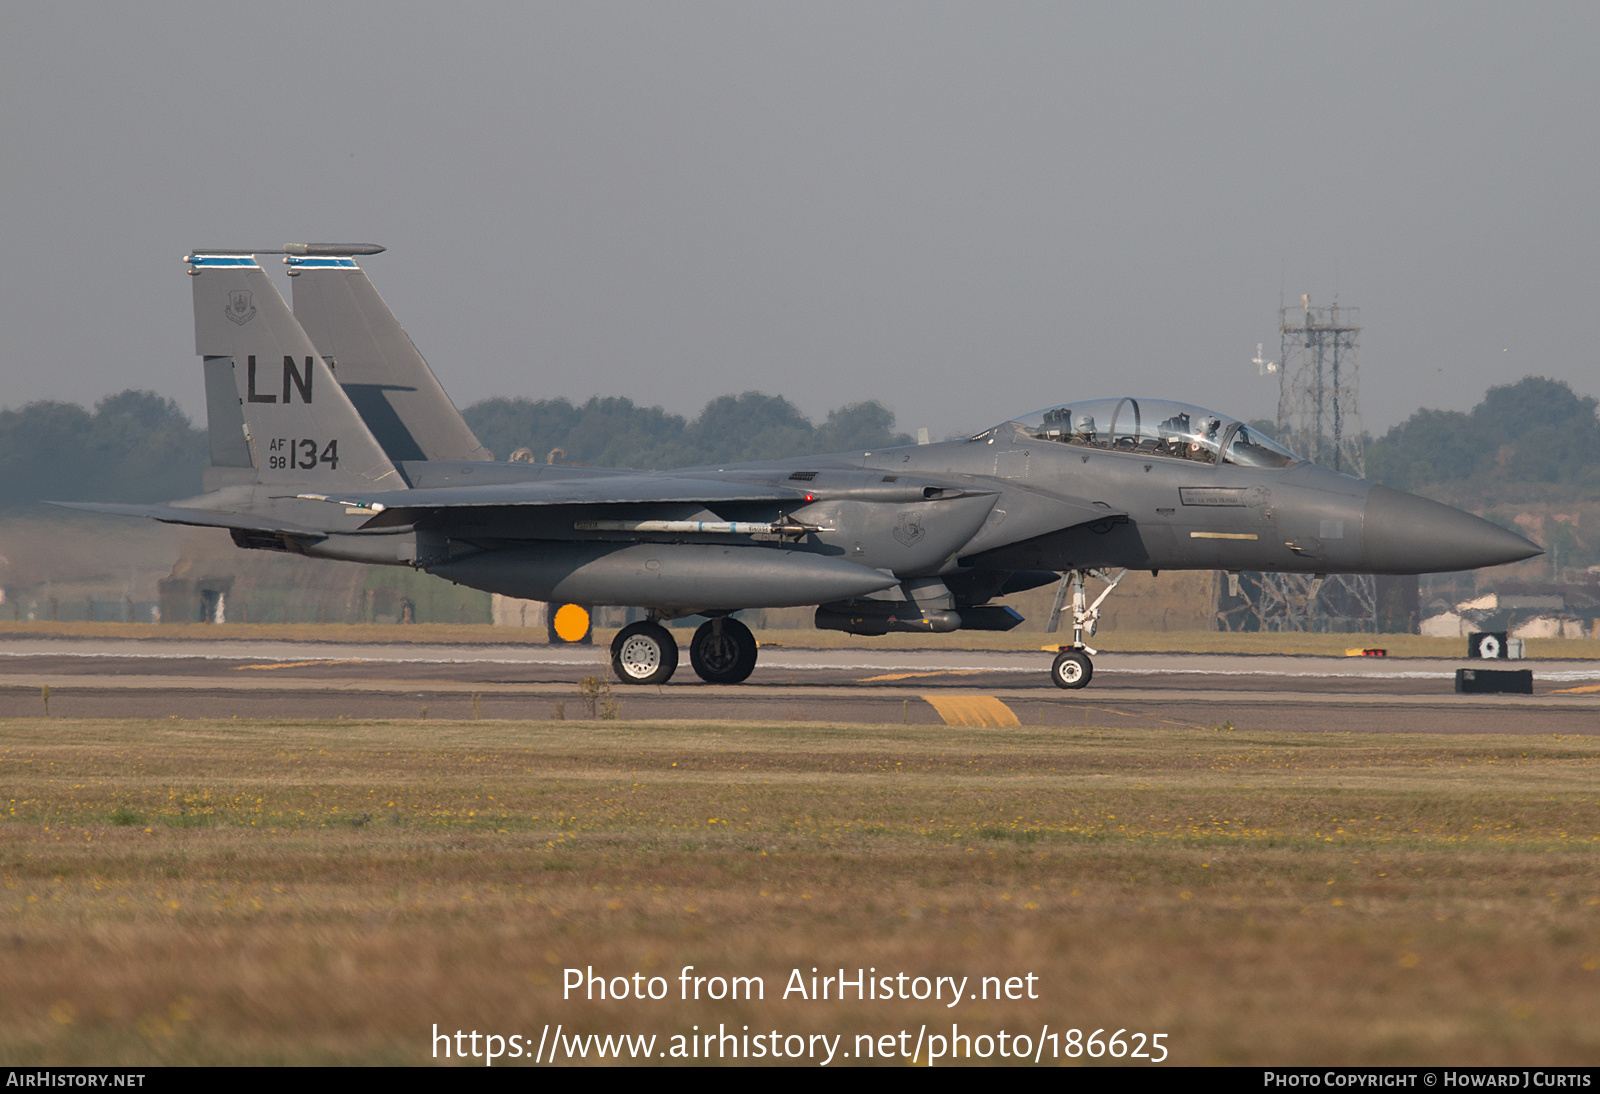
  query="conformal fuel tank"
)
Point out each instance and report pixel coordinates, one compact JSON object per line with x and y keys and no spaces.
{"x":665,"y":575}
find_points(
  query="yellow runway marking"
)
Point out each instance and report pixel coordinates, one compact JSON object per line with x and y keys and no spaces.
{"x":972,"y":710}
{"x":303,"y":664}
{"x":909,"y":675}
{"x":1586,"y":689}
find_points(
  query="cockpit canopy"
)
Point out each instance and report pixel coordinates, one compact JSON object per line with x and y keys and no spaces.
{"x":1155,"y":427}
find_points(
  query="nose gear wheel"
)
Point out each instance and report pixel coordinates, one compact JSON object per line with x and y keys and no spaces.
{"x":1072,"y":670}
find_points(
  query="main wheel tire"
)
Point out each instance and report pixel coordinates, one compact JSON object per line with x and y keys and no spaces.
{"x":1072,"y":670}
{"x":644,"y":653}
{"x":726,"y":658}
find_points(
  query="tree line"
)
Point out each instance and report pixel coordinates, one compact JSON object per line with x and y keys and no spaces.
{"x":613,"y":432}
{"x":133,"y":447}
{"x":137,"y":446}
{"x":1533,"y":431}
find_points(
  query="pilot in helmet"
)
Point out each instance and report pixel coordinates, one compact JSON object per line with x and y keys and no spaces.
{"x":1085,"y":428}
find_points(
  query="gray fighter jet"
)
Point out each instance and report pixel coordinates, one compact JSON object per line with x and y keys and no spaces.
{"x":330,"y":437}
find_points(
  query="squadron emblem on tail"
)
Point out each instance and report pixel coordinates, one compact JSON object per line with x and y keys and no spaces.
{"x":239,"y":308}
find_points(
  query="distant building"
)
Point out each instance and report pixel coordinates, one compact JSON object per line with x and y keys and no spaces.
{"x":1570,"y":610}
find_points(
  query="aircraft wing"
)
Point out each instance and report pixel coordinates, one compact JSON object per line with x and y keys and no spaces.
{"x":200,"y":518}
{"x":397,"y":507}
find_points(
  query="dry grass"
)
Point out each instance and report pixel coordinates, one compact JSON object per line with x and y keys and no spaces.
{"x":1125,"y":641}
{"x":232,"y":892}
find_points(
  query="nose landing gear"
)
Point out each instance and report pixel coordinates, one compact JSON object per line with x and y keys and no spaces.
{"x":1072,"y":668}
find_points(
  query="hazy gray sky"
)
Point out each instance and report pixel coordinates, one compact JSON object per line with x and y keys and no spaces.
{"x":965,"y":210}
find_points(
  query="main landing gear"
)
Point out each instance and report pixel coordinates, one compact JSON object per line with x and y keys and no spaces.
{"x":1072,"y":668}
{"x":722,"y":651}
{"x":644,"y":653}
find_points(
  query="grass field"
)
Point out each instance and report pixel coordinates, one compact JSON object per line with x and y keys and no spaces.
{"x":232,"y":892}
{"x":1125,"y":641}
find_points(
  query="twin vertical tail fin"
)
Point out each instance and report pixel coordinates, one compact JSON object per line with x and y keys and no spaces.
{"x":288,"y":416}
{"x":377,"y":365}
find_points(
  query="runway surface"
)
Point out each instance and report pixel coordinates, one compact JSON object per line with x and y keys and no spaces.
{"x":159,"y":678}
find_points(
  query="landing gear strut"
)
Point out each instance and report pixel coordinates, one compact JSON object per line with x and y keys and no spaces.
{"x":644,"y":653}
{"x":723,"y":651}
{"x":1072,"y":668}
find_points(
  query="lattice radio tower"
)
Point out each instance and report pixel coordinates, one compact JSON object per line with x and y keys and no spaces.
{"x":1319,"y":385}
{"x":1319,"y":416}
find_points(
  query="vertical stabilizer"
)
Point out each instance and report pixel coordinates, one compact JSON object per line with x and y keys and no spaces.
{"x":377,"y":364}
{"x":298,"y":425}
{"x":230,"y":446}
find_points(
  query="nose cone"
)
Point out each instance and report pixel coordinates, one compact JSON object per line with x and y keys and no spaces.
{"x":1405,"y":534}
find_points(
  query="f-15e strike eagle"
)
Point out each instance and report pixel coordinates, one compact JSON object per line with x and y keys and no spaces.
{"x":330,"y":437}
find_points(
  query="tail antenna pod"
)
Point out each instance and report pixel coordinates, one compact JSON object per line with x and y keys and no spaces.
{"x":308,"y":250}
{"x":332,"y":250}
